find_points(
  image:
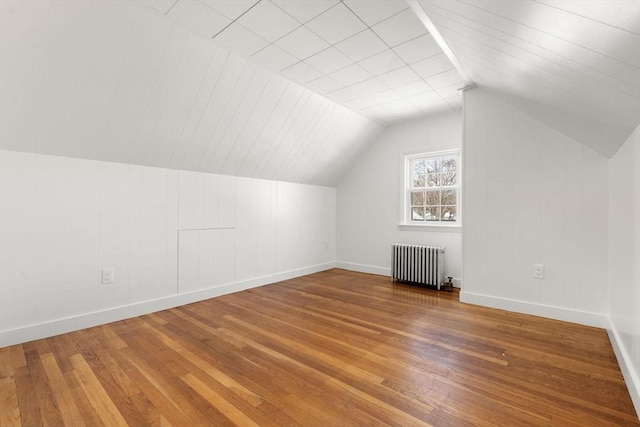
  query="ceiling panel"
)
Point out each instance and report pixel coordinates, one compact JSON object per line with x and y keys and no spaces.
{"x":232,"y":9}
{"x":431,"y":66}
{"x":329,"y":60}
{"x":336,"y":24}
{"x":361,"y":45}
{"x":302,"y":43}
{"x":399,"y":77}
{"x":268,"y":21}
{"x":199,"y":17}
{"x":161,"y":6}
{"x":413,"y":88}
{"x":351,"y":75}
{"x":274,"y":57}
{"x":400,"y":28}
{"x":445,"y":78}
{"x":242,"y":40}
{"x":374,"y":11}
{"x":325,"y":84}
{"x":306,"y":10}
{"x":302,"y":72}
{"x":421,"y":47}
{"x":382,"y":63}
{"x":376,"y":98}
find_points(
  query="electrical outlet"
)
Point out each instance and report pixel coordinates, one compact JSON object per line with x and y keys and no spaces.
{"x":538,"y":271}
{"x":107,"y":276}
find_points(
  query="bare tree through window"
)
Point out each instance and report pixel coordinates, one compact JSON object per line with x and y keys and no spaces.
{"x":433,"y":188}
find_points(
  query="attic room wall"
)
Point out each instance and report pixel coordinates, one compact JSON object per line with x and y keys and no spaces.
{"x":62,"y":220}
{"x":368,"y":198}
{"x":624,"y":259}
{"x":532,"y":196}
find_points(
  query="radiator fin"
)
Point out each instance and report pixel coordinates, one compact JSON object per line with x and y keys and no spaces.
{"x":417,"y":264}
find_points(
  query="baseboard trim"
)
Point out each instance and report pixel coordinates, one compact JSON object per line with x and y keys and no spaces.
{"x":631,"y":378}
{"x":558,"y":313}
{"x":380,"y":271}
{"x":364,"y":268}
{"x":88,"y":320}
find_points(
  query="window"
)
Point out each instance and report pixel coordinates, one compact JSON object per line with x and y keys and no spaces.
{"x":431,"y":195}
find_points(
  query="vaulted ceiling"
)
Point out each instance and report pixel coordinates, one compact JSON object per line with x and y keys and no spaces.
{"x":574,"y":64}
{"x":294,"y":89}
{"x":373,"y":56}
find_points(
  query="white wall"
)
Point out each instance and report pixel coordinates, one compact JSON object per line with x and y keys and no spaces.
{"x":63,"y":219}
{"x":369,"y":198}
{"x":624,"y":260}
{"x":532,"y":196}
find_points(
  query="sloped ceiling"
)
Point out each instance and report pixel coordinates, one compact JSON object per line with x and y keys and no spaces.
{"x":373,"y":56}
{"x":117,"y":81}
{"x":574,"y":64}
{"x":293,"y":89}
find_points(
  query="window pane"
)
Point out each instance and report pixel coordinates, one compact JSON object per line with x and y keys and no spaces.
{"x":448,"y":213}
{"x":433,"y":180}
{"x":433,"y":165}
{"x":432,"y":213}
{"x":433,"y":198}
{"x":417,"y":214}
{"x":449,"y":197}
{"x":433,"y":187}
{"x":417,"y":198}
{"x":418,"y":167}
{"x":447,"y":179}
{"x":448,"y":164}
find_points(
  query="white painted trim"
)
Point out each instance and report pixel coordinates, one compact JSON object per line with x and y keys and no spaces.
{"x":88,"y":320}
{"x":364,"y":268}
{"x":629,"y":374}
{"x":426,"y":21}
{"x":405,"y":190}
{"x":436,"y":227}
{"x":380,"y":271}
{"x":597,"y":320}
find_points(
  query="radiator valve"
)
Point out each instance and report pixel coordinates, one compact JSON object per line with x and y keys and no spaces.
{"x":448,"y":284}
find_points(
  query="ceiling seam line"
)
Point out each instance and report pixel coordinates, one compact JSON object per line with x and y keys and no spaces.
{"x":233,"y":21}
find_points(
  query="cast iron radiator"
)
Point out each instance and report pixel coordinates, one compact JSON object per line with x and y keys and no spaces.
{"x":423,"y":265}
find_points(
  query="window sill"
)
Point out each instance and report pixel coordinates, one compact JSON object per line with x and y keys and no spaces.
{"x":445,"y":228}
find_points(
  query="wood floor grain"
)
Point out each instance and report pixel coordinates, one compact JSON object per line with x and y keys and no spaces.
{"x":331,"y":349}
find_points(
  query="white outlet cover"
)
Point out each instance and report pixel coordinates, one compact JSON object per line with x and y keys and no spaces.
{"x":107,"y":276}
{"x":538,"y":271}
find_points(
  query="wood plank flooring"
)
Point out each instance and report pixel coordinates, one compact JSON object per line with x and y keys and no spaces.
{"x":331,"y":349}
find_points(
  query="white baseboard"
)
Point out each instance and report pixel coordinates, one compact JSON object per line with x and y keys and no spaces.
{"x":87,"y":320}
{"x":629,"y":373}
{"x":558,"y":313}
{"x":372,"y":269}
{"x":364,"y":268}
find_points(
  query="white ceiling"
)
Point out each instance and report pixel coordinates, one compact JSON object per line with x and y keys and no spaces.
{"x":116,"y":81}
{"x":294,"y":89}
{"x":373,"y":56}
{"x":573,"y":63}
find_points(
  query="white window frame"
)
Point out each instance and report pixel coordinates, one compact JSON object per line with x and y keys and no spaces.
{"x":405,"y":219}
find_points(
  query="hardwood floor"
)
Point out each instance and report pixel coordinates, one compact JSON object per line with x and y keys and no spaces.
{"x":332,"y":349}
